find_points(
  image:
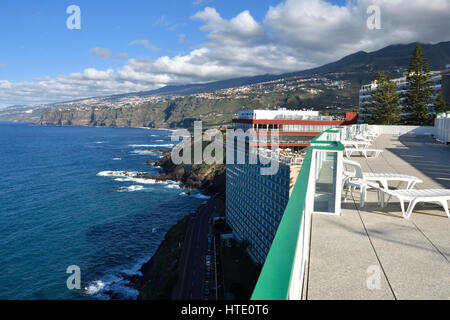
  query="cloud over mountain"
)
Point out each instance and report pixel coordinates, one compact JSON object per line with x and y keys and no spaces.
{"x":294,"y":35}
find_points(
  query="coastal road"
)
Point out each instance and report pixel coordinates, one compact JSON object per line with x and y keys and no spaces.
{"x":191,"y":270}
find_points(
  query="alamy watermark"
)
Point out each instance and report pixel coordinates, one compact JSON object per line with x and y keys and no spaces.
{"x":74,"y":280}
{"x":73,"y":22}
{"x":374,"y":20}
{"x":242,"y":147}
{"x":373,"y":282}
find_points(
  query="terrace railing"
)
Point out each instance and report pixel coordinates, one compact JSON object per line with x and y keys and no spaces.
{"x":317,"y":190}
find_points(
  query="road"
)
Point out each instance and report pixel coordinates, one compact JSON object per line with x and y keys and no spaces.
{"x":192,"y":268}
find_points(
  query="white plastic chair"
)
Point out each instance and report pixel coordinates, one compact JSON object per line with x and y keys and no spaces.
{"x":441,"y":196}
{"x":362,"y":180}
{"x":365,"y":152}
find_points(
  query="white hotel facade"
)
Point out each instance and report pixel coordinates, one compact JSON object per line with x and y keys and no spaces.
{"x":440,"y":80}
{"x":256,"y":203}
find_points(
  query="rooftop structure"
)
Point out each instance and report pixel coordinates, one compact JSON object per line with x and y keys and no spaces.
{"x":296,"y":128}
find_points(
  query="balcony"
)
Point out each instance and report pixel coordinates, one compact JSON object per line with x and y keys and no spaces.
{"x":362,"y":253}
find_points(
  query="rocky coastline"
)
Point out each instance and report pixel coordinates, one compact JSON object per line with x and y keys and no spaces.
{"x":159,"y":275}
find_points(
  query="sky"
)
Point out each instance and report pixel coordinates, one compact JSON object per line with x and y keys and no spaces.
{"x":137,"y":45}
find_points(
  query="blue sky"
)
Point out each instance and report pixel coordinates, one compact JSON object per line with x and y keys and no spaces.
{"x":135,"y":45}
{"x":38,"y":43}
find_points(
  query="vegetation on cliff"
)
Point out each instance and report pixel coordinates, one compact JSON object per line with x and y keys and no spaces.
{"x":161,"y":272}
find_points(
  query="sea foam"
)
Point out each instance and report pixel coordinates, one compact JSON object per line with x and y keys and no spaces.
{"x":146,"y":152}
{"x":168,"y":145}
{"x":129,"y":176}
{"x":131,"y":189}
{"x":95,"y":287}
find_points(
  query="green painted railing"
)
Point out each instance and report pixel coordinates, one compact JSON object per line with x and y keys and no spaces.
{"x":275,"y":278}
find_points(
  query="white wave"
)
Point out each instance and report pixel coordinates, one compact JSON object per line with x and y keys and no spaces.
{"x":145,"y":181}
{"x":130,"y":176}
{"x":173,"y":186}
{"x":139,"y":145}
{"x":100,"y":142}
{"x":117,"y":159}
{"x":112,"y":283}
{"x":95,"y":287}
{"x":153,"y":181}
{"x":124,"y":179}
{"x":145,"y":152}
{"x":170,"y":184}
{"x":131,"y":189}
{"x":125,"y":174}
{"x":202,"y":196}
{"x":168,"y":145}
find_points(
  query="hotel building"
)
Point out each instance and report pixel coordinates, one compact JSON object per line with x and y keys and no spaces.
{"x":256,"y":202}
{"x":439,"y":79}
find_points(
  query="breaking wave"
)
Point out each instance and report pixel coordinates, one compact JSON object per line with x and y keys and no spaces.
{"x":131,"y":189}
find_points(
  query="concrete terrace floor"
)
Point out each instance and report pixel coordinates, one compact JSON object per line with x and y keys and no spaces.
{"x":412,"y":257}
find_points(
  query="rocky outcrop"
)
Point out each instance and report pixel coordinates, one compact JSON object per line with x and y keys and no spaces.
{"x":209,"y":178}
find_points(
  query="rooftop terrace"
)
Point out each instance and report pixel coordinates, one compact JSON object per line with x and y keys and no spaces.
{"x":412,"y":256}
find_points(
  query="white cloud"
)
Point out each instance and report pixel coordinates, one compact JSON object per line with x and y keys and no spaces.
{"x":145,"y":44}
{"x":163,"y":22}
{"x":182,"y":38}
{"x":106,"y":53}
{"x":101,"y":52}
{"x":294,"y":35}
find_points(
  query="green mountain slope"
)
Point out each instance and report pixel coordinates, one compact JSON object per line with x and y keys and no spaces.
{"x":332,"y":88}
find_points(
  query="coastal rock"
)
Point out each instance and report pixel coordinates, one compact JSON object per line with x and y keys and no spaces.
{"x":209,"y":178}
{"x":134,"y":280}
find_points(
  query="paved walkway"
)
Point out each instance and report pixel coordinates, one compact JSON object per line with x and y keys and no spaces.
{"x":377,"y":248}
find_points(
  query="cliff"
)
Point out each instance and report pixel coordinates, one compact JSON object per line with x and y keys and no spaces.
{"x":208,"y":178}
{"x":160,"y":273}
{"x":182,"y":112}
{"x":176,"y":113}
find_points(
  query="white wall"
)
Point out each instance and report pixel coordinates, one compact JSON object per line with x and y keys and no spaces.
{"x":402,"y":130}
{"x":442,"y":126}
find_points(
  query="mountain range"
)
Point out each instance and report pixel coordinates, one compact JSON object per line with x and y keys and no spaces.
{"x":332,"y":88}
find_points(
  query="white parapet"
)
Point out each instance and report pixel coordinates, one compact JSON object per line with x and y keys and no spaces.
{"x":403,"y":130}
{"x":442,"y":127}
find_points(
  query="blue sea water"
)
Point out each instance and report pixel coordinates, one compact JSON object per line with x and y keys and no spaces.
{"x":57,"y":211}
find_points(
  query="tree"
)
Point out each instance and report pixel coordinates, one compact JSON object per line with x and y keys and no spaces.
{"x":385,"y":105}
{"x":439,"y":104}
{"x":419,"y":94}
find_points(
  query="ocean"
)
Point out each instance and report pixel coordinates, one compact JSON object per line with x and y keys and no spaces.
{"x":61,"y":205}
